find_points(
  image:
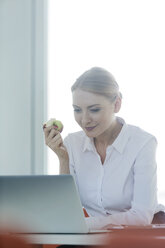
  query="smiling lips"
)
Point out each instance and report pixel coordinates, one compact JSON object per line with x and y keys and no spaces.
{"x":89,"y":128}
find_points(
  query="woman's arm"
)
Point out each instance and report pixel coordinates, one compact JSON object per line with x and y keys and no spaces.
{"x":64,"y":166}
{"x":54,"y":141}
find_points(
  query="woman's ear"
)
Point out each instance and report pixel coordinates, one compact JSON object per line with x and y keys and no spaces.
{"x":117,"y":104}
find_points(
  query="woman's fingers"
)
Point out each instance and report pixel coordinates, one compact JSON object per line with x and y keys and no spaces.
{"x":55,"y":141}
{"x":46,"y":131}
{"x":52,"y":138}
{"x":50,"y":133}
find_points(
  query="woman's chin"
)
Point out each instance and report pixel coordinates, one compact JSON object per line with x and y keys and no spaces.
{"x":90,"y":134}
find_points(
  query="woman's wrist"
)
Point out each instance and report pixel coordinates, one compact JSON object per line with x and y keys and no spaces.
{"x":64,"y":166}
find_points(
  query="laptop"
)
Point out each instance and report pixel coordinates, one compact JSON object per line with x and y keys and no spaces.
{"x":41,"y":204}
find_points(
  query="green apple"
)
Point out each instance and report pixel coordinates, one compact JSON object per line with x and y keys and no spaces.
{"x":56,"y":123}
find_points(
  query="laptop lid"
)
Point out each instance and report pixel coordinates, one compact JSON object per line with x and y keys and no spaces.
{"x":41,"y":204}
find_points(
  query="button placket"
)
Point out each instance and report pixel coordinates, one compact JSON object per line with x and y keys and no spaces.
{"x":108,"y":155}
{"x":100,"y":185}
{"x":106,"y":162}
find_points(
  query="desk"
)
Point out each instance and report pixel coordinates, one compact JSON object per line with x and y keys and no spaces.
{"x":69,"y":239}
{"x":154,"y":236}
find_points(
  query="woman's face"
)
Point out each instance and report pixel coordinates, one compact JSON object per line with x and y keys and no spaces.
{"x":94,"y":113}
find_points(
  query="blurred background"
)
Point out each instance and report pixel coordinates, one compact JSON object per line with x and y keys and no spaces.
{"x":46,"y":44}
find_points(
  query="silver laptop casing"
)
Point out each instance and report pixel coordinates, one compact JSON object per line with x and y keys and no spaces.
{"x":41,"y":204}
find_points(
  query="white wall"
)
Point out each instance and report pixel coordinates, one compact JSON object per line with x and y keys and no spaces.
{"x":22,"y":86}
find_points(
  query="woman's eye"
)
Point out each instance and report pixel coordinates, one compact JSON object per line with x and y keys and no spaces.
{"x":95,"y":110}
{"x":77,"y":110}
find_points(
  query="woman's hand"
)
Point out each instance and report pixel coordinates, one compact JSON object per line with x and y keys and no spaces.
{"x":54,"y":140}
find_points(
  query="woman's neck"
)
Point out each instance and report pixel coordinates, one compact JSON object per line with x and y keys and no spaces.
{"x":109,"y":136}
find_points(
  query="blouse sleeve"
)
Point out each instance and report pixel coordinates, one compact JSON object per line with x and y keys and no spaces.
{"x":144,"y":200}
{"x":71,"y":159}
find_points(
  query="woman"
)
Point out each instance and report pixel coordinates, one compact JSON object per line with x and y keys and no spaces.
{"x":113,"y":163}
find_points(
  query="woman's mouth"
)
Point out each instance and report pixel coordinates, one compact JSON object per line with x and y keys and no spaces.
{"x":89,"y":128}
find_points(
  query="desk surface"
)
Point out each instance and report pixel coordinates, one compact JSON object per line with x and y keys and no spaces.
{"x":69,"y":239}
{"x":154,"y":232}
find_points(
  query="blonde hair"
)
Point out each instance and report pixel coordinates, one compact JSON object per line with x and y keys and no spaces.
{"x":99,"y":81}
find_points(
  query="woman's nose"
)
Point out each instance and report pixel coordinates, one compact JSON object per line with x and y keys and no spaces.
{"x":85,"y":120}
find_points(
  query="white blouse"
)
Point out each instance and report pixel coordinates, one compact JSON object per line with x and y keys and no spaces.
{"x":123,"y":190}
